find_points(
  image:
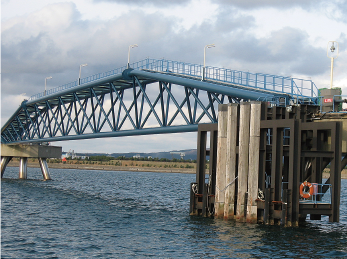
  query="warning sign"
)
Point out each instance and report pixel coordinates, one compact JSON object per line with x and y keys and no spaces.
{"x":328,"y":100}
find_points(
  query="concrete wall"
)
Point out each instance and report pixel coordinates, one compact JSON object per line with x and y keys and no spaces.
{"x":32,"y":151}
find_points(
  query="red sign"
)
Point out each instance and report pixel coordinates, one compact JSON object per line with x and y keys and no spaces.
{"x":328,"y":100}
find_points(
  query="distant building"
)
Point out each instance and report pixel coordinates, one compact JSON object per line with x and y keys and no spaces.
{"x":72,"y":155}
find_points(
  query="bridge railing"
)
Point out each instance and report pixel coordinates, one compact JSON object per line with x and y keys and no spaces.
{"x":299,"y":88}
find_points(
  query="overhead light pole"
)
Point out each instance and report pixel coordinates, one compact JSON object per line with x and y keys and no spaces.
{"x":332,"y":53}
{"x":79,"y":76}
{"x":46,"y":84}
{"x":203,"y":69}
{"x":130,"y":47}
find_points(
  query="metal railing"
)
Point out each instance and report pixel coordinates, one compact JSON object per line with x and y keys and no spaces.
{"x":336,"y":100}
{"x":298,"y":88}
{"x":318,"y":195}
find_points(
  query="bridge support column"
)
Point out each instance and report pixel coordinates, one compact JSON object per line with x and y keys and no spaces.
{"x":44,"y":168}
{"x":4,"y":162}
{"x":24,"y":152}
{"x":23,"y":162}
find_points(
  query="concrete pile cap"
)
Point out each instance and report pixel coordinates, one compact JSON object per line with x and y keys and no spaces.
{"x":32,"y":151}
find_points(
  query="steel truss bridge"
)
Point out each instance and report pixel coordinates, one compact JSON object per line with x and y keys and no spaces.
{"x":151,"y":97}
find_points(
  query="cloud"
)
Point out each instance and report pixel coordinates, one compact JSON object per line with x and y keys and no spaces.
{"x":33,"y":49}
{"x":157,"y":3}
{"x":255,"y":4}
{"x":334,"y":9}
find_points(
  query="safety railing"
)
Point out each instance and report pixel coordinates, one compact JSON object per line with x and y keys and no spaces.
{"x":298,"y":88}
{"x":320,"y":193}
{"x":336,"y":100}
{"x":137,"y":65}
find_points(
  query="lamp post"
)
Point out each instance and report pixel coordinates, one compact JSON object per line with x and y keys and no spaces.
{"x":46,"y":84}
{"x":130,"y":47}
{"x":203,"y":69}
{"x":79,"y":76}
{"x":332,"y":53}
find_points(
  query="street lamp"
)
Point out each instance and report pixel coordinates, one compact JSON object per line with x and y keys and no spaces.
{"x":203,"y":69}
{"x":332,"y":53}
{"x":130,"y":47}
{"x":46,"y":84}
{"x":79,"y":76}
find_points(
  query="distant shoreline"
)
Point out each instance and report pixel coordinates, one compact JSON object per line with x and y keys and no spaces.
{"x":133,"y":168}
{"x":109,"y":167}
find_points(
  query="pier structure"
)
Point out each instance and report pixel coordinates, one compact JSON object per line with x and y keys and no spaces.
{"x":24,"y":152}
{"x":270,"y":163}
{"x":266,"y":157}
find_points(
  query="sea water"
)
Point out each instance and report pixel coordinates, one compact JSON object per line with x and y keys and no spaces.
{"x":104,"y":214}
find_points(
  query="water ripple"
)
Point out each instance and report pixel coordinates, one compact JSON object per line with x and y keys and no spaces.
{"x":101,"y":214}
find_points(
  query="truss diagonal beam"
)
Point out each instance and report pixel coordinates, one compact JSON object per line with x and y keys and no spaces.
{"x":83,"y":111}
{"x":148,"y":101}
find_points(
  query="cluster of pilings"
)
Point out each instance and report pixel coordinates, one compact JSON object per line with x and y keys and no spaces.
{"x":263,"y":158}
{"x":24,"y":152}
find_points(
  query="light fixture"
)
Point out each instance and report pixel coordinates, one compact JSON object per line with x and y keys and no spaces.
{"x":79,"y":75}
{"x":46,"y":84}
{"x":130,"y":47}
{"x":332,"y":53}
{"x":208,"y":46}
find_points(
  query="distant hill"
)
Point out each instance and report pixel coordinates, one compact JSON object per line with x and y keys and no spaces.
{"x":189,"y":154}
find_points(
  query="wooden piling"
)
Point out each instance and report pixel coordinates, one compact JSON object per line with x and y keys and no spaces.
{"x":243,"y":160}
{"x":221,"y":160}
{"x":253,"y":167}
{"x":263,"y":153}
{"x":231,"y":161}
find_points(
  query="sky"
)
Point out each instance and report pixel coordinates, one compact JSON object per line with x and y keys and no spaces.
{"x":42,"y":38}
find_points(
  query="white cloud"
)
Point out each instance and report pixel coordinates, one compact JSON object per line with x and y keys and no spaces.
{"x":53,"y":38}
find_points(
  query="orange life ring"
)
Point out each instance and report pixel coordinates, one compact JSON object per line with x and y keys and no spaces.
{"x":303,"y":191}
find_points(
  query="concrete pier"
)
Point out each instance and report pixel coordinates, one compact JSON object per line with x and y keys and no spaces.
{"x":265,"y":153}
{"x":29,"y":151}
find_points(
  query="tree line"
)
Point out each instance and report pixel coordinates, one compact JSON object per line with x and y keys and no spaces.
{"x":109,"y":158}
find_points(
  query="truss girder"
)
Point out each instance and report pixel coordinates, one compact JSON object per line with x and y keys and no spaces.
{"x":135,"y":103}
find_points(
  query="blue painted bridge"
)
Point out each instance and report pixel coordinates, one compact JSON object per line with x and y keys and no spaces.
{"x":151,"y":97}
